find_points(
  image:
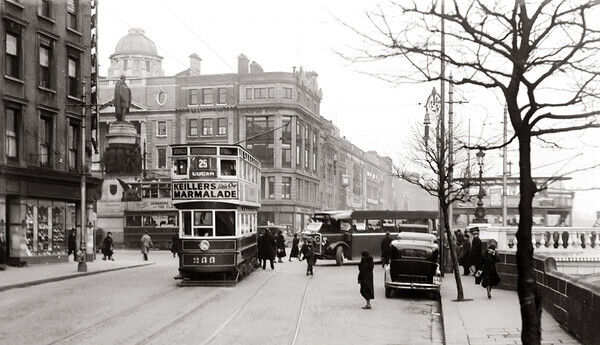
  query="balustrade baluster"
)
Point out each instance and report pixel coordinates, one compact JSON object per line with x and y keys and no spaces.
{"x":560,"y":241}
{"x":571,"y":241}
{"x":587,"y":236}
{"x":597,"y":241}
{"x":543,"y":240}
{"x":551,"y":240}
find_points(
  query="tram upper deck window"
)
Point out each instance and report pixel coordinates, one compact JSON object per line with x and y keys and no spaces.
{"x":228,"y":167}
{"x":229,"y":151}
{"x":202,"y":151}
{"x":181,"y":166}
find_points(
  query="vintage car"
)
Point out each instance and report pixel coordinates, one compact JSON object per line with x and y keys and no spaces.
{"x":413,"y":264}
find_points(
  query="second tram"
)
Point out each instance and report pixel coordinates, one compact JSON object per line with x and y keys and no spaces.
{"x":216,"y":190}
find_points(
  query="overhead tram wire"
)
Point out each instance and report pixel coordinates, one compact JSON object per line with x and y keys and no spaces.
{"x":164,"y":50}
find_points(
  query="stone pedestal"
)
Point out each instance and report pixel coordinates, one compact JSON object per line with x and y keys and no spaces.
{"x":122,"y":132}
{"x":123,"y":154}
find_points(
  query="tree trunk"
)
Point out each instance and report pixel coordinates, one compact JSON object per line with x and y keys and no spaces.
{"x":459,"y":288}
{"x":529,"y":297}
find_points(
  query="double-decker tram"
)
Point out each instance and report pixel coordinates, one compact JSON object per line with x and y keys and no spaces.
{"x":216,"y":190}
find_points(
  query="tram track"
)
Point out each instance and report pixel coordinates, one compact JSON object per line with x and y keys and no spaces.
{"x":115,"y":319}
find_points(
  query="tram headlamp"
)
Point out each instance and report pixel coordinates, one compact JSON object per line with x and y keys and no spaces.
{"x":204,"y":245}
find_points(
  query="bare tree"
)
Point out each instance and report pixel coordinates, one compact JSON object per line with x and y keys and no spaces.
{"x":427,"y":164}
{"x":542,"y":57}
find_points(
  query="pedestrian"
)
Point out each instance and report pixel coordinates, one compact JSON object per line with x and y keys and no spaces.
{"x":365,"y":278}
{"x":268,"y":246}
{"x":489,"y":273}
{"x":260,"y":253}
{"x":175,"y":244}
{"x":386,"y":249}
{"x":3,"y":259}
{"x":475,"y":252}
{"x":464,"y":255}
{"x":308,"y":253}
{"x":295,"y":250}
{"x":280,"y":240}
{"x":460,"y":237}
{"x":72,"y":244}
{"x":108,"y":247}
{"x":146,"y":243}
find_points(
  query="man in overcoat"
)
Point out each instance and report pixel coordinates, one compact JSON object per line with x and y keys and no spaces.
{"x":475,"y":256}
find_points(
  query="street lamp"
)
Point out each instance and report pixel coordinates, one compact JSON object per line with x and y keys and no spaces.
{"x":480,"y":210}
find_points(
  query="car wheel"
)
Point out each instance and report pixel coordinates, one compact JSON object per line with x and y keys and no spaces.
{"x":388,"y":292}
{"x":339,"y":256}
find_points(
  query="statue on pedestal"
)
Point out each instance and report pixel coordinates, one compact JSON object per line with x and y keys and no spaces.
{"x":122,"y":99}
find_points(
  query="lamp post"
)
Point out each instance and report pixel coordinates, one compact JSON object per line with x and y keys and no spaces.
{"x":480,"y":210}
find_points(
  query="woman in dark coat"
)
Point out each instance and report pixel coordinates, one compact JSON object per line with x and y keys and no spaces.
{"x":280,"y":246}
{"x":489,"y":274}
{"x":365,"y":278}
{"x":463,"y":257}
{"x":107,"y":248}
{"x":295,"y":251}
{"x":267,"y":248}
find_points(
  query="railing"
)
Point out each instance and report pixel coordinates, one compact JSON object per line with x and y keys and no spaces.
{"x":554,"y":241}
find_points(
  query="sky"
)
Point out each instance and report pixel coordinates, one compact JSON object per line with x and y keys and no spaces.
{"x":278,"y":35}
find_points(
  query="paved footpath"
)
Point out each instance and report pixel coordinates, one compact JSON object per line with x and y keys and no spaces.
{"x":16,"y":277}
{"x":483,"y":321}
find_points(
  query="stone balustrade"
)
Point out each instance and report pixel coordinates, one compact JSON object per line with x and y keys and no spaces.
{"x":549,"y":240}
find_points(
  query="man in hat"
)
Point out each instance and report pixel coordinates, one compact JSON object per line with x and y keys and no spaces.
{"x":475,"y":255}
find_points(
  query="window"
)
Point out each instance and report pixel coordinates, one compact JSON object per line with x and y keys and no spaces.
{"x":45,"y":138}
{"x":73,"y":142}
{"x":222,"y":126}
{"x":147,"y":63}
{"x":248,"y":93}
{"x":193,"y":97}
{"x":203,"y":223}
{"x":270,"y":93}
{"x":13,"y":116}
{"x":74,"y":73}
{"x":207,"y":96}
{"x":298,"y":155}
{"x":13,"y":55}
{"x":44,"y":8}
{"x":260,"y":93}
{"x":314,"y":161}
{"x":72,"y":11}
{"x":228,"y":167}
{"x":222,"y":96}
{"x":193,"y":127}
{"x":225,"y":223}
{"x":287,"y":92}
{"x":125,"y":64}
{"x":286,"y":188}
{"x":271,"y":187}
{"x":46,"y":59}
{"x":162,"y":157}
{"x":161,"y":129}
{"x":305,"y":159}
{"x":207,"y":127}
{"x":286,"y":156}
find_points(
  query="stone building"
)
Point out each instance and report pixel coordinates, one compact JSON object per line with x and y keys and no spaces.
{"x":49,"y":81}
{"x":306,"y":165}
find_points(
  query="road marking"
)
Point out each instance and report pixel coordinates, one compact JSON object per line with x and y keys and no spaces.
{"x":301,"y":312}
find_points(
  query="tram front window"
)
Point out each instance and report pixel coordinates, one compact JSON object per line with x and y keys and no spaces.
{"x":225,"y":223}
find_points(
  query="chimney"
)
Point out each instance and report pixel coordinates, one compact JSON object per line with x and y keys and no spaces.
{"x":195,"y":61}
{"x":243,"y":64}
{"x":255,"y":68}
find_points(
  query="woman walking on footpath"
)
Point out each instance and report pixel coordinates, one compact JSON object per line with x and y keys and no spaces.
{"x":365,"y":278}
{"x":146,"y":244}
{"x":107,"y":247}
{"x":295,"y":251}
{"x":489,"y":274}
{"x":280,"y":246}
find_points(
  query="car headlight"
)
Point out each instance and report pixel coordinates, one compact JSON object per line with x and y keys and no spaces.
{"x":324,"y":239}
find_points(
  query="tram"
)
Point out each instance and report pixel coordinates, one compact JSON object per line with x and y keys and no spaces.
{"x":216,"y":191}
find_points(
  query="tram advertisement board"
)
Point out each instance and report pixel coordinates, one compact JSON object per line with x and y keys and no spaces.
{"x":203,"y":167}
{"x":205,"y":190}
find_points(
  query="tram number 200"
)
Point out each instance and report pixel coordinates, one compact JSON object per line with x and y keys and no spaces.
{"x":203,"y":260}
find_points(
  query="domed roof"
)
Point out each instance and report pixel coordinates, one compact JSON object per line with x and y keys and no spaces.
{"x":136,"y":42}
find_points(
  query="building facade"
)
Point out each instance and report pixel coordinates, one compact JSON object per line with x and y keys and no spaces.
{"x":306,"y":165}
{"x":47,"y":86}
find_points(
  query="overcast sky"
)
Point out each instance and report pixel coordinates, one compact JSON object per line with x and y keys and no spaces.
{"x":277,"y":34}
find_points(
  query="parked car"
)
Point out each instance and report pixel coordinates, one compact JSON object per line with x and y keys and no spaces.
{"x":413,"y":264}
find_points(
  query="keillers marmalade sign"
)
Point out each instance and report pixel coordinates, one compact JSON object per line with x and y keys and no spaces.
{"x":205,"y":190}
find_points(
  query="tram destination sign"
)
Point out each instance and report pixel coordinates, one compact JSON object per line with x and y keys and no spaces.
{"x":205,"y":190}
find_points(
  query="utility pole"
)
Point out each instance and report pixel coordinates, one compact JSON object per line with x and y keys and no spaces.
{"x":450,"y":146}
{"x":82,"y":265}
{"x":504,"y":177}
{"x":442,"y":136}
